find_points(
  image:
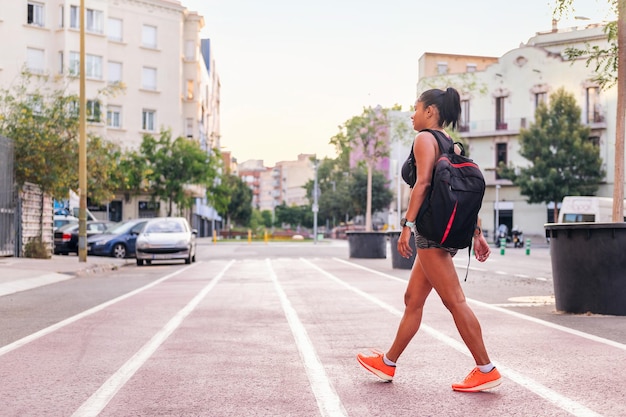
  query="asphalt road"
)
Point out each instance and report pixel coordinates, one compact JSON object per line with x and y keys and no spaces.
{"x":273,"y":330}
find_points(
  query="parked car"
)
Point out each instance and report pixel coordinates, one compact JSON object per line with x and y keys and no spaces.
{"x":66,"y":237}
{"x":165,"y":238}
{"x":118,"y":241}
{"x":60,"y":220}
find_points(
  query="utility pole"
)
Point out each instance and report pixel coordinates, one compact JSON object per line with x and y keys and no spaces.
{"x":82,"y":148}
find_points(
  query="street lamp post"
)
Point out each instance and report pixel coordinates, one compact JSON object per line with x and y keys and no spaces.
{"x":497,"y":207}
{"x":315,"y":206}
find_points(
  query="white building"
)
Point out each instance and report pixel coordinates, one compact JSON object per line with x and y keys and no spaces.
{"x":505,"y":100}
{"x":151,"y":47}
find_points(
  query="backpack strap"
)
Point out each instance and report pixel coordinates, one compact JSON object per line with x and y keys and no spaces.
{"x":441,"y":139}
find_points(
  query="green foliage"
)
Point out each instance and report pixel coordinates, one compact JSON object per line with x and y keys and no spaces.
{"x":43,"y":122}
{"x":381,"y":194}
{"x":563,"y":161}
{"x":603,"y":60}
{"x":236,"y":200}
{"x":35,"y":248}
{"x":294,"y":216}
{"x":44,"y":128}
{"x":166,"y":168}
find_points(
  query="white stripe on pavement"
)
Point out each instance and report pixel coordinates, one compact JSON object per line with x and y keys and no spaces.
{"x":99,"y":399}
{"x":553,"y":397}
{"x":34,"y":336}
{"x":327,"y":399}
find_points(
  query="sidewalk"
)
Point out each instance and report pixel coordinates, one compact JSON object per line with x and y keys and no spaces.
{"x":20,"y":274}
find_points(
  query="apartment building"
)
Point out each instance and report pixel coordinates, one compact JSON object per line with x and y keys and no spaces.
{"x":152,"y":48}
{"x":507,"y":95}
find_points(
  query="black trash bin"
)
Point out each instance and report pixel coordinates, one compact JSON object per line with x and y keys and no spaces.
{"x":367,"y":244}
{"x":397,"y":260}
{"x":589,"y":267}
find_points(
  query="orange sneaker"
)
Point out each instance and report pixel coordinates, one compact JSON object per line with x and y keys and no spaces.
{"x":376,"y":365}
{"x":478,"y":381}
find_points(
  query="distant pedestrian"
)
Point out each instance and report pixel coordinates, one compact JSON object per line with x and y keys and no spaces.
{"x":433,"y":268}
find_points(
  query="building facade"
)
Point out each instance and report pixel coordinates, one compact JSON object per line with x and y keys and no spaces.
{"x":505,"y":100}
{"x":150,"y":49}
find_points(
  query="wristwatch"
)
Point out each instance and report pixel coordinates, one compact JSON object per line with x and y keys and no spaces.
{"x":405,"y":223}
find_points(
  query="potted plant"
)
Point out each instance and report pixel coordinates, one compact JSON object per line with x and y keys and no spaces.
{"x":367,"y":136}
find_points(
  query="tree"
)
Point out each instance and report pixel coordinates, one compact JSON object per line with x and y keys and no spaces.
{"x":563,"y":161}
{"x":334,"y":185}
{"x":171,"y":166}
{"x":238,"y":207}
{"x":610,"y":67}
{"x":365,"y":138}
{"x":375,"y":184}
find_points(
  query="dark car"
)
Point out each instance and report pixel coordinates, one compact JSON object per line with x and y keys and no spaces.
{"x":66,"y":237}
{"x":119,"y":241}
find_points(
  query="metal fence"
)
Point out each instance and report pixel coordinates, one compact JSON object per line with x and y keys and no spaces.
{"x":8,"y":199}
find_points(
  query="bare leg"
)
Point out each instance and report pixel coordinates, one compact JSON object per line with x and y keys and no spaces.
{"x":414,"y":298}
{"x":439,"y":268}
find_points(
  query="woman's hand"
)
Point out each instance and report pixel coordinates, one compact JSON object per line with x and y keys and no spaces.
{"x":404,"y":247}
{"x":481,"y":248}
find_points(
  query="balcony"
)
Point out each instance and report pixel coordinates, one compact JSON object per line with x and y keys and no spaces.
{"x":502,"y":126}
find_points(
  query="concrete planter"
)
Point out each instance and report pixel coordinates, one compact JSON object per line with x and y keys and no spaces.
{"x":589,"y":267}
{"x":397,"y":261}
{"x":367,"y":244}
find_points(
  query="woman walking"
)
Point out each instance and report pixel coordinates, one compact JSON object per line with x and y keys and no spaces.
{"x":433,"y":268}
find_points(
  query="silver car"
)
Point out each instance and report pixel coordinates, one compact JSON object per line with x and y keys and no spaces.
{"x":165,"y":238}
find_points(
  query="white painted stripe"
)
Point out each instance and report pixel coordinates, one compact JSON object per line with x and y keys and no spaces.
{"x":327,"y":399}
{"x":34,"y":336}
{"x":553,"y":397}
{"x":11,"y":287}
{"x":99,"y":399}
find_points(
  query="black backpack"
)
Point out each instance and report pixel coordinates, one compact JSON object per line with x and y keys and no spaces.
{"x":449,"y":212}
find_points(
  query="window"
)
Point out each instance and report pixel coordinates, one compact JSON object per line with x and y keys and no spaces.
{"x":93,"y":111}
{"x":147,"y":120}
{"x":74,"y":19}
{"x":35,"y":60}
{"x":465,"y":116}
{"x":93,"y":22}
{"x":149,"y":78}
{"x":61,"y":67}
{"x":35,"y":103}
{"x":501,"y":156}
{"x":190,"y":50}
{"x":114,"y":72}
{"x":93,"y":66}
{"x":595,"y":140}
{"x":35,"y":15}
{"x":114,"y":29}
{"x":541,"y":97}
{"x":442,"y":68}
{"x":149,"y":36}
{"x":61,"y":16}
{"x":594,"y":109}
{"x":189,"y":127}
{"x":500,"y":123}
{"x":470,"y":68}
{"x":74,"y":63}
{"x":190,"y":89}
{"x":114,"y":116}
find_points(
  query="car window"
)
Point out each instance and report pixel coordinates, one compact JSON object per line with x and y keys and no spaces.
{"x":166,"y":226}
{"x":124,"y":227}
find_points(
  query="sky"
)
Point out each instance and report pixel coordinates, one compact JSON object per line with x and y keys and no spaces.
{"x":293,"y":71}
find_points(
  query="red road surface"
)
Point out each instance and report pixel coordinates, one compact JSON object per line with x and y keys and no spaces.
{"x":279,"y":337}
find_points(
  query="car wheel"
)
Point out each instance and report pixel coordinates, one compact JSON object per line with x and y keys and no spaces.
{"x":188,"y":260}
{"x":139,"y":262}
{"x":119,"y":251}
{"x":148,"y":262}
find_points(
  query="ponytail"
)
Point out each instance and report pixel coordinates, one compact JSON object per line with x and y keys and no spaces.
{"x":447,"y":102}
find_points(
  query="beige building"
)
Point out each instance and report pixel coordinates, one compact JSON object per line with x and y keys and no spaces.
{"x":150,"y":47}
{"x":432,"y":64}
{"x":507,"y":94}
